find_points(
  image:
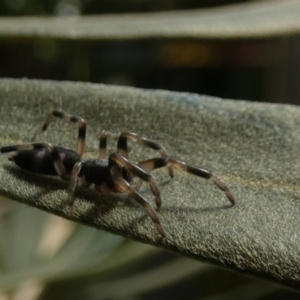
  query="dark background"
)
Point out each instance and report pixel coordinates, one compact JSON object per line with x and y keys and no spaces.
{"x":259,"y":70}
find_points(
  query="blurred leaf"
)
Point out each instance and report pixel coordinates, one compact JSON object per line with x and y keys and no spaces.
{"x":255,"y":290}
{"x":253,"y":147}
{"x":71,"y":262}
{"x":159,"y":277}
{"x":254,"y":19}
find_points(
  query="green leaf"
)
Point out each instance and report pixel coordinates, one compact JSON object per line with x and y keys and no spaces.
{"x":254,"y":19}
{"x":253,"y":147}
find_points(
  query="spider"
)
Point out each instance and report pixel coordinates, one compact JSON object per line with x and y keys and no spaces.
{"x":114,"y":174}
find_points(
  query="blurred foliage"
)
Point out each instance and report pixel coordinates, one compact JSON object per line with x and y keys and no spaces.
{"x":88,"y":7}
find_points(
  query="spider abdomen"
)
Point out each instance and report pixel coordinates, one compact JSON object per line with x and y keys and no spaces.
{"x":40,"y":160}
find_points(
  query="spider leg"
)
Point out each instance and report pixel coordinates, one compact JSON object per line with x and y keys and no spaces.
{"x":103,"y":144}
{"x":116,"y":162}
{"x":155,"y":163}
{"x":123,"y":149}
{"x":119,"y":184}
{"x":58,"y":163}
{"x":152,"y":164}
{"x":69,"y":118}
{"x":72,"y":186}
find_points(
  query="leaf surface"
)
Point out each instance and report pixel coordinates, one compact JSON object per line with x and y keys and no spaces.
{"x":253,"y":147}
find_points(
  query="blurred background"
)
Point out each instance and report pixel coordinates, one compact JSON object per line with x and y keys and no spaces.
{"x":45,"y":257}
{"x":260,"y":70}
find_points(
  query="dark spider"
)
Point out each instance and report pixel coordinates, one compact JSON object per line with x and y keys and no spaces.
{"x":114,"y":174}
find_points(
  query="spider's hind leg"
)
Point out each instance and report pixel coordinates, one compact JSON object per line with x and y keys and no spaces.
{"x":119,"y":184}
{"x":69,"y":118}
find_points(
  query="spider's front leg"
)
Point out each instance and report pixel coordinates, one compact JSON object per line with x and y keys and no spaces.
{"x":118,"y":183}
{"x":155,"y":163}
{"x":116,"y":161}
{"x":75,"y":181}
{"x":122,"y":147}
{"x":72,"y":186}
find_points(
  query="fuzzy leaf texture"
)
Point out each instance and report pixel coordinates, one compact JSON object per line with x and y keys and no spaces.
{"x":253,"y":147}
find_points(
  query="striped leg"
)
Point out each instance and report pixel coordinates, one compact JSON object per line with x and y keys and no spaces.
{"x":72,"y":186}
{"x":26,"y":148}
{"x":116,"y":162}
{"x":119,"y":184}
{"x":103,"y":144}
{"x":69,"y":118}
{"x":155,"y":163}
{"x":123,"y":150}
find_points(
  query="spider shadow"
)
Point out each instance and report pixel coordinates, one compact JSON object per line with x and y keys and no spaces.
{"x":143,"y":220}
{"x":168,"y":208}
{"x":50,"y":182}
{"x":208,"y":209}
{"x":102,"y":204}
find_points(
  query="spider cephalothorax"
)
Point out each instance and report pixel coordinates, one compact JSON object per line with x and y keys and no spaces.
{"x":108,"y":175}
